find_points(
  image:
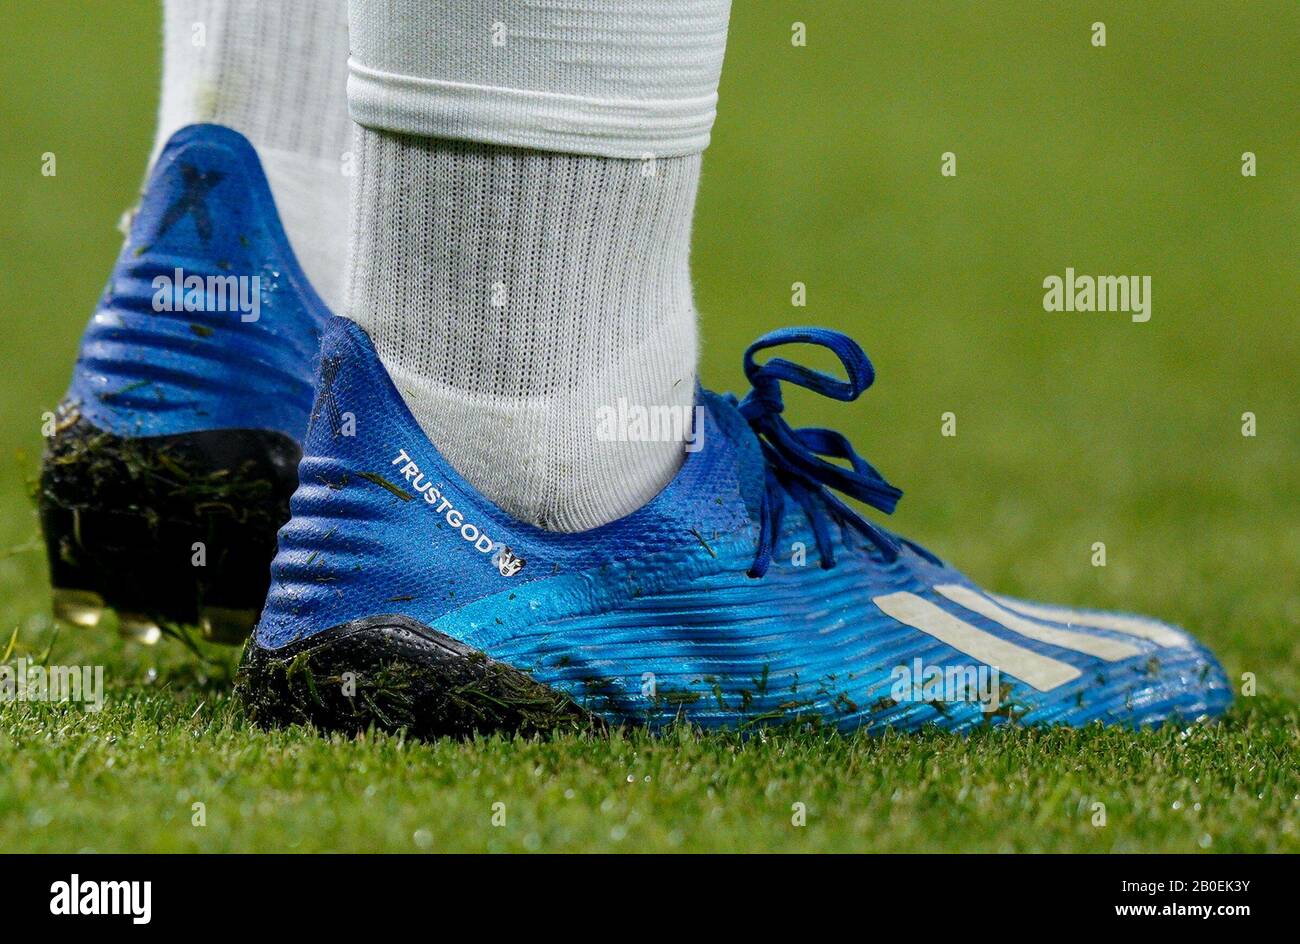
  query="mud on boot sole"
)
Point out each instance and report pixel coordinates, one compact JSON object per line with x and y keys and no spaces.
{"x":393,"y":672}
{"x":122,"y":517}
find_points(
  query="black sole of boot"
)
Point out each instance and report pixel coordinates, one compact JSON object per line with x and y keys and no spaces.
{"x":163,"y":530}
{"x":394,"y":673}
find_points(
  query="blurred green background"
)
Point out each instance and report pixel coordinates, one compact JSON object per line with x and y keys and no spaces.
{"x":1073,"y":428}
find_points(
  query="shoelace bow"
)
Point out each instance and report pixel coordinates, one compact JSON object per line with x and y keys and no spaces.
{"x":794,"y":457}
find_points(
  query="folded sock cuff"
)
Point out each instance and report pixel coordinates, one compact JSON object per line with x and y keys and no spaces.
{"x":614,"y":78}
{"x":544,"y":121}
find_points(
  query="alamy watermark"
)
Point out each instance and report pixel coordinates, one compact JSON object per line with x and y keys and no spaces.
{"x":919,"y":682}
{"x":32,"y":682}
{"x":635,"y":422}
{"x":1124,"y":293}
{"x":212,"y":293}
{"x":76,"y":896}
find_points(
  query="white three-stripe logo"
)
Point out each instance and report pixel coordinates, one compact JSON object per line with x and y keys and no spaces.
{"x":1042,"y":672}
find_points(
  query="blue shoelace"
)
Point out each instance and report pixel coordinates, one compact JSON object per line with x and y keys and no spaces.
{"x":794,"y":457}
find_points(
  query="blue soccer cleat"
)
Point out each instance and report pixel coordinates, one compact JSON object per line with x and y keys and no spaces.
{"x":170,"y":461}
{"x":745,"y":593}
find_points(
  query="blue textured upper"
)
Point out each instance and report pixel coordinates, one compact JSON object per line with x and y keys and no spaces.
{"x":711,"y":602}
{"x":207,"y":321}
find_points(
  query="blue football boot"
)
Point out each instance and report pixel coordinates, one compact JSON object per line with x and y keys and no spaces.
{"x":746,"y":593}
{"x":170,"y":461}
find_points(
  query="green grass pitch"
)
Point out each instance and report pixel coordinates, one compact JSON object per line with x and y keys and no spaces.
{"x":1072,"y":429}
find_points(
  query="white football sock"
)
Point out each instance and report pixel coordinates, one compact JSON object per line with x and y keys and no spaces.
{"x":277,"y":74}
{"x":525,"y":302}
